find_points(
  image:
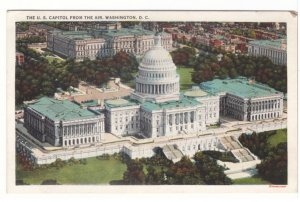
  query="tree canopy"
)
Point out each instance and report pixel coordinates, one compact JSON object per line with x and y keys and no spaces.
{"x":38,"y":76}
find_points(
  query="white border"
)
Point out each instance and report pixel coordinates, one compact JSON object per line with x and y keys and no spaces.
{"x":163,"y":16}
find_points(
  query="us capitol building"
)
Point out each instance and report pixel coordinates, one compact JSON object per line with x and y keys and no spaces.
{"x":156,"y":109}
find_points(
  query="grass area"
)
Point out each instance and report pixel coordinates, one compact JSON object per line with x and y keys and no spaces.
{"x":255,"y":180}
{"x":185,"y":77}
{"x":94,"y":172}
{"x":280,"y":136}
{"x":51,"y":59}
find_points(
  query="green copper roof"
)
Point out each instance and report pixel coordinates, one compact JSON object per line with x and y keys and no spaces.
{"x":270,"y":43}
{"x":183,"y":102}
{"x":60,"y":109}
{"x":120,"y":103}
{"x":240,"y":87}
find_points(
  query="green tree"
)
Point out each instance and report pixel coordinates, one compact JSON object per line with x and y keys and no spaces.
{"x":154,"y":177}
{"x":210,"y":171}
{"x":134,"y":175}
{"x":274,"y":167}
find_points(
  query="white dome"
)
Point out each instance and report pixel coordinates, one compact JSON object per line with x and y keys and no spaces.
{"x":157,"y":56}
{"x":157,"y":77}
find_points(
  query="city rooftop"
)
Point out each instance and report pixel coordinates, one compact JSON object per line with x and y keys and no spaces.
{"x":120,"y":103}
{"x":98,"y":33}
{"x":60,"y":109}
{"x":278,"y":43}
{"x":241,"y":87}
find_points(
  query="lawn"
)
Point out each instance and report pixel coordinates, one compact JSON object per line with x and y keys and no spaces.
{"x":280,"y":136}
{"x":185,"y":74}
{"x":51,"y":59}
{"x":94,"y":172}
{"x":250,"y":181}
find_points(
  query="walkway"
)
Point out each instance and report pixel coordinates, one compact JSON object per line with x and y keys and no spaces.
{"x":172,"y":153}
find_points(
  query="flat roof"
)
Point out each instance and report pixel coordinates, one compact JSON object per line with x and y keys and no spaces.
{"x":60,"y":109}
{"x":115,"y":103}
{"x":98,"y":33}
{"x":183,"y":102}
{"x":195,"y":93}
{"x":240,"y":87}
{"x":270,"y":43}
{"x":76,"y":35}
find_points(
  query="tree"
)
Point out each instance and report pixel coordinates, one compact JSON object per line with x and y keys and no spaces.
{"x":184,"y":56}
{"x":274,"y":167}
{"x":134,"y":175}
{"x":183,"y":172}
{"x":210,"y":171}
{"x":154,"y":177}
{"x":257,"y":143}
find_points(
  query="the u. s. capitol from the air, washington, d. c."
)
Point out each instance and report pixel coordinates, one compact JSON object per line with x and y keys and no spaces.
{"x":158,"y":112}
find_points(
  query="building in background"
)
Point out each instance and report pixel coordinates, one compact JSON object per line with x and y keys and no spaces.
{"x":275,"y":50}
{"x":104,"y":41}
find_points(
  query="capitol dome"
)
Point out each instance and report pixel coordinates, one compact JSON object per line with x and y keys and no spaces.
{"x":157,"y":57}
{"x":157,"y":78}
